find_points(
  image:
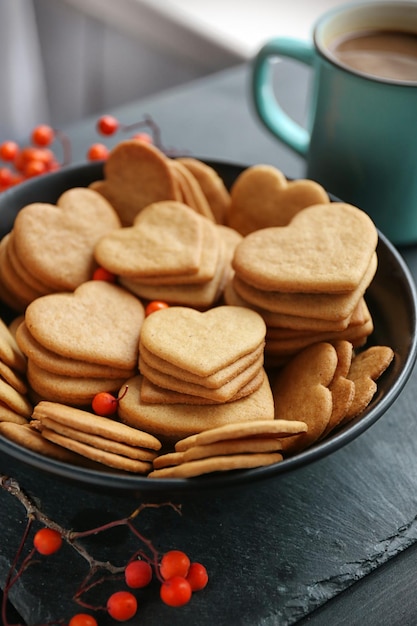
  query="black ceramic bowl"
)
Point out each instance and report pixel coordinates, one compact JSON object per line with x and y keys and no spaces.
{"x":391,"y":299}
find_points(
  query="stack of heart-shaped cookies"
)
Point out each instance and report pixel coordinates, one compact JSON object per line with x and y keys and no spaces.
{"x":78,"y":344}
{"x":96,"y":438}
{"x":50,"y":247}
{"x":170,"y":253}
{"x":198,"y":370}
{"x":234,"y":446}
{"x":308,"y":279}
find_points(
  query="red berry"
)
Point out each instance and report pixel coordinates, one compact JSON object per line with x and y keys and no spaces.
{"x":174,"y":563}
{"x":6,"y":177}
{"x":197,"y":576}
{"x":47,"y":541}
{"x":42,"y":135}
{"x":102,"y":274}
{"x":176,"y":591}
{"x":122,"y":606}
{"x":17,"y":179}
{"x":30,"y":153}
{"x":104,"y":404}
{"x":97,"y":152}
{"x":155,"y":305}
{"x":138,"y":574}
{"x":82,"y":619}
{"x":9,"y":150}
{"x":107,"y":125}
{"x":34,"y":168}
{"x":53,"y":166}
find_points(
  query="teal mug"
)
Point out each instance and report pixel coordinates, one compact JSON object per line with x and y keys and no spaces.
{"x":360,"y":141}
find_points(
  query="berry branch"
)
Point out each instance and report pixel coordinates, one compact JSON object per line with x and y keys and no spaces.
{"x":39,"y":158}
{"x":177,"y":576}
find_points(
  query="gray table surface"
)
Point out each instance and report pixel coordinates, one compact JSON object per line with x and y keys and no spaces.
{"x":331,"y":543}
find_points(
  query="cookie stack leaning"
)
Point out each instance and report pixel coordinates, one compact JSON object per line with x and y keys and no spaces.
{"x":241,"y":445}
{"x":79,"y":344}
{"x":198,"y":370}
{"x":100,"y":439}
{"x":171,"y":253}
{"x":308,"y":279}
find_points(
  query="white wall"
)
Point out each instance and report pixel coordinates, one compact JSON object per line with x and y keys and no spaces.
{"x":63,"y":60}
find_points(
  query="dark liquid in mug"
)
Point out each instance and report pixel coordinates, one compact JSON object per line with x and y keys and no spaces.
{"x":385,"y":54}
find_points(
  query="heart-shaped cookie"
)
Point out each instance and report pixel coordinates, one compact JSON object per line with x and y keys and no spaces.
{"x":325,"y":248}
{"x":301,"y":392}
{"x":202,"y":343}
{"x":99,"y":323}
{"x":261,"y":197}
{"x":55,"y":242}
{"x":212,"y":186}
{"x":366,"y":368}
{"x":165,"y":239}
{"x":191,"y":191}
{"x":136,"y":174}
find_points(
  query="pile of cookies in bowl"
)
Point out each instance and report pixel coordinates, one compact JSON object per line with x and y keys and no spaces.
{"x":230,"y":323}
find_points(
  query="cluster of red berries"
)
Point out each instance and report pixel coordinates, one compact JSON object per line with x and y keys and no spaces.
{"x":178,"y":576}
{"x":39,"y":158}
{"x":28,"y":161}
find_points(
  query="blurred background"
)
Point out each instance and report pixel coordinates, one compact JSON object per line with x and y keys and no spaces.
{"x":63,"y":60}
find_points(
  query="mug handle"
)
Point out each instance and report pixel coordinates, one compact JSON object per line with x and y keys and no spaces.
{"x":266,"y":105}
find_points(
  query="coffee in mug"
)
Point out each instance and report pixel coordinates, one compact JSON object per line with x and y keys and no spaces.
{"x":360,"y":142}
{"x":383,"y":54}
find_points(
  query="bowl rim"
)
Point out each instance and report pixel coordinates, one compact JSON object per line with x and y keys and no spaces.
{"x":114,"y":480}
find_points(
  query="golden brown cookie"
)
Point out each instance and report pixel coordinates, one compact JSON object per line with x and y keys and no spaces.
{"x":325,"y":248}
{"x":42,"y":233}
{"x":136,"y":174}
{"x":109,"y":459}
{"x":207,"y":263}
{"x":10,"y":352}
{"x":342,"y":389}
{"x":153,"y":394}
{"x":212,"y":186}
{"x":301,"y":391}
{"x":99,"y":442}
{"x":61,"y":365}
{"x":99,"y":323}
{"x":242,"y":431}
{"x":365,"y":370}
{"x":324,"y":305}
{"x":94,"y":424}
{"x":69,"y":389}
{"x":25,"y":436}
{"x":217,"y":464}
{"x":165,"y":239}
{"x":10,"y":415}
{"x":14,"y":400}
{"x":244,"y":445}
{"x":262,"y":197}
{"x":202,"y":343}
{"x":172,"y":422}
{"x":191,"y":191}
{"x":15,"y":379}
{"x":213,"y":381}
{"x":199,"y":296}
{"x":249,"y":379}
